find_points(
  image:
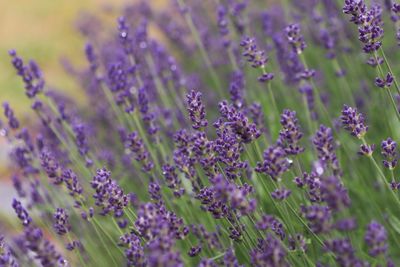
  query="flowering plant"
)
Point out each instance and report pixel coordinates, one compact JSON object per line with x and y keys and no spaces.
{"x":240,"y":139}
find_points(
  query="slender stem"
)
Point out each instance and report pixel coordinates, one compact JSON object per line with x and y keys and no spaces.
{"x":201,"y":47}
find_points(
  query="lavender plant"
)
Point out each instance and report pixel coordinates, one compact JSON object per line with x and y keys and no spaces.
{"x":241,"y":134}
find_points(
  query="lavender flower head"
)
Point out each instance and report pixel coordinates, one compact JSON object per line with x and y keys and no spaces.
{"x":290,"y":134}
{"x":295,"y":38}
{"x":389,"y":147}
{"x":9,"y":113}
{"x":353,"y":121}
{"x":21,"y":212}
{"x":275,"y":162}
{"x":325,"y":145}
{"x":109,"y":195}
{"x":61,"y":221}
{"x":30,"y":74}
{"x":196,"y":110}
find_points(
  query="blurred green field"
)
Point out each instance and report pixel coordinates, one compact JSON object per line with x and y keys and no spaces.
{"x":45,"y":30}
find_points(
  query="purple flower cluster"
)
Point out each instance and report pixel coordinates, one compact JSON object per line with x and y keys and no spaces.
{"x":109,"y":195}
{"x":389,"y":147}
{"x":376,"y":239}
{"x":237,"y":123}
{"x":7,"y":258}
{"x":224,"y":197}
{"x":295,"y":38}
{"x":353,"y":121}
{"x":275,"y":162}
{"x":384,"y":82}
{"x":269,"y":252}
{"x":196,"y":110}
{"x":61,"y":221}
{"x":325,"y":146}
{"x":30,"y":74}
{"x":369,"y":23}
{"x":135,"y":144}
{"x":9,"y":113}
{"x":290,"y":134}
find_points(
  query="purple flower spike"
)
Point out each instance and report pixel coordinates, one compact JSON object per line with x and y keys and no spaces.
{"x":109,"y":195}
{"x":196,"y":110}
{"x":389,"y":147}
{"x":275,"y":162}
{"x":281,"y":194}
{"x":353,"y":121}
{"x":135,"y":144}
{"x":7,"y":258}
{"x":295,"y":38}
{"x":22,"y":213}
{"x":61,"y":222}
{"x":385,"y":82}
{"x":325,"y":145}
{"x":9,"y":113}
{"x":30,"y":74}
{"x":366,"y":150}
{"x":290,"y":134}
{"x":269,"y":252}
{"x":256,"y":57}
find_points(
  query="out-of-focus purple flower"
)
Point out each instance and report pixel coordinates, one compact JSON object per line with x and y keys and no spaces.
{"x":325,"y":145}
{"x":197,"y":111}
{"x":172,"y":180}
{"x":194,"y":251}
{"x":375,"y":62}
{"x":275,"y":162}
{"x":222,"y":22}
{"x":389,"y":147}
{"x":344,"y":252}
{"x":236,"y":89}
{"x":334,"y":193}
{"x":207,"y":263}
{"x":269,"y":252}
{"x":17,"y":184}
{"x":281,"y":194}
{"x":318,"y":217}
{"x":21,"y":212}
{"x":290,"y":134}
{"x":295,"y":38}
{"x":376,"y":239}
{"x":230,"y":259}
{"x":51,"y":167}
{"x":366,"y":150}
{"x":30,"y":74}
{"x":385,"y":82}
{"x":353,"y":121}
{"x":270,"y":222}
{"x":256,"y":57}
{"x":9,"y":113}
{"x":7,"y":258}
{"x":61,"y":221}
{"x":297,"y":242}
{"x":135,"y":144}
{"x":347,"y":224}
{"x":155,"y":191}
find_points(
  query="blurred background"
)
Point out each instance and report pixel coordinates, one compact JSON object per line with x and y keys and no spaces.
{"x":46,"y":31}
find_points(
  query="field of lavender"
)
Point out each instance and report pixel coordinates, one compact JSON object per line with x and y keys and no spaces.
{"x":215,"y":133}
